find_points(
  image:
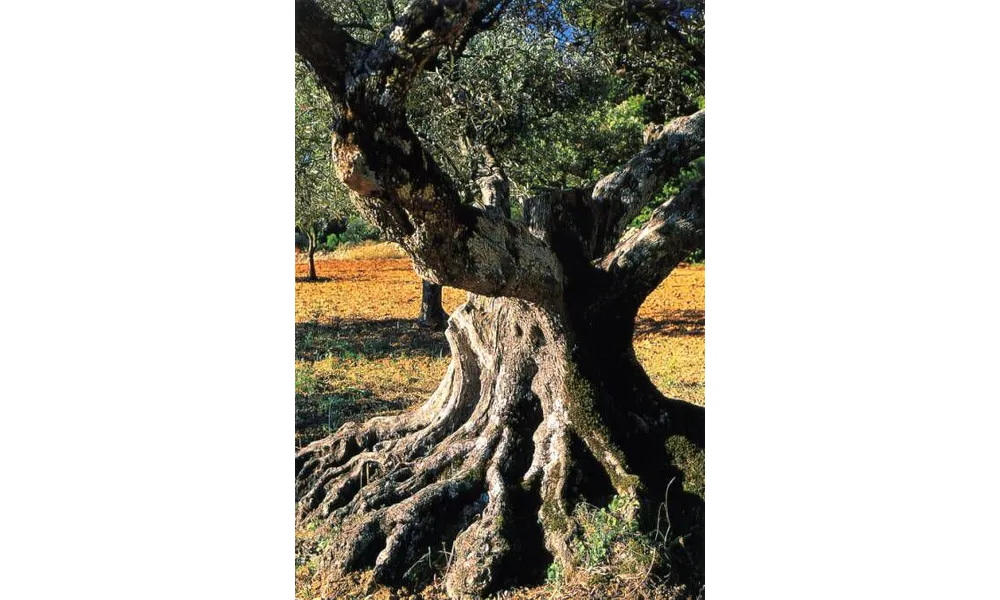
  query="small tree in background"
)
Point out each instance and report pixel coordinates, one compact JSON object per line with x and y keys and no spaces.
{"x":319,"y":197}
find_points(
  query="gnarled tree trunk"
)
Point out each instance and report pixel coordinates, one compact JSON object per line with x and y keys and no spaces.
{"x":311,"y":250}
{"x":544,"y":403}
{"x":432,"y":314}
{"x":536,"y":413}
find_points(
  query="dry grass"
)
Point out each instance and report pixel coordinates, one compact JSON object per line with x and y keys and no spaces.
{"x":670,"y":335}
{"x":370,"y":289}
{"x":366,"y":250}
{"x":359,"y":351}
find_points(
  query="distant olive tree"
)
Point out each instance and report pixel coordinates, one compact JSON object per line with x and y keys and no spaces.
{"x":320,"y":198}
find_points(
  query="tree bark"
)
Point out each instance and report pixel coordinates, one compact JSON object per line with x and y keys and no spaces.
{"x":432,"y":314}
{"x":533,"y":416}
{"x":312,"y":261}
{"x":544,"y":403}
{"x":494,"y":187}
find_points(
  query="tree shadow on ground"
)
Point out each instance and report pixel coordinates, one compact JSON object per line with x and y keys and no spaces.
{"x":305,"y":279}
{"x":672,"y":323}
{"x":320,"y":415}
{"x":358,"y":338}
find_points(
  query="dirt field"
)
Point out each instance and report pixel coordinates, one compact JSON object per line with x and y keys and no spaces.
{"x":359,"y":352}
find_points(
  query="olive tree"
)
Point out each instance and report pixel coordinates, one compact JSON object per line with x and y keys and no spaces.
{"x":544,"y":403}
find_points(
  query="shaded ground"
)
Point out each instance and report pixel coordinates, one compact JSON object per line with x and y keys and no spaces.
{"x":359,"y":352}
{"x":358,"y":348}
{"x":357,"y":338}
{"x":353,"y":368}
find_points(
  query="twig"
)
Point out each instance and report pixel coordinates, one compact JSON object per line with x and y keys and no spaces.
{"x":364,"y":15}
{"x":428,"y":556}
{"x":666,"y":509}
{"x":444,"y":549}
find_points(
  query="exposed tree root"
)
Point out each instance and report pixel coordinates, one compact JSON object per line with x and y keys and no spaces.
{"x":512,"y":425}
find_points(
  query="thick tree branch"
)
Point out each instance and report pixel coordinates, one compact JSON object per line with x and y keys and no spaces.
{"x":645,"y":256}
{"x":619,"y":197}
{"x":324,"y":45}
{"x":666,"y":14}
{"x":413,"y":40}
{"x":493,"y":184}
{"x":697,"y":56}
{"x":398,"y":185}
{"x":565,"y":220}
{"x":484,"y":18}
{"x":365,"y":26}
{"x":584,"y":224}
